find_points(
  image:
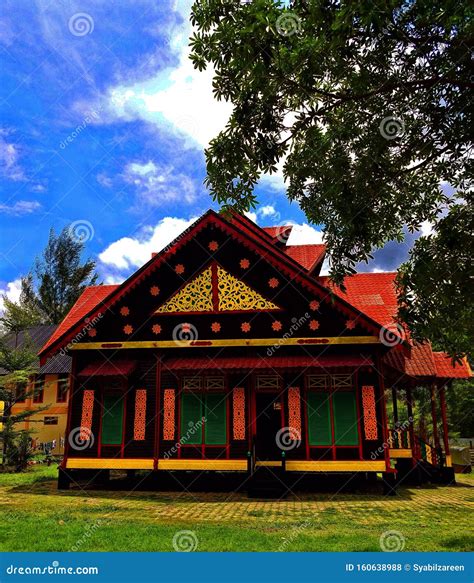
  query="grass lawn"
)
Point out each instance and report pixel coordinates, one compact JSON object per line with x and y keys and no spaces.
{"x":36,"y":517}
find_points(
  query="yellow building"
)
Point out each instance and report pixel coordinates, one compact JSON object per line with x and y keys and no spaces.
{"x":47,"y":390}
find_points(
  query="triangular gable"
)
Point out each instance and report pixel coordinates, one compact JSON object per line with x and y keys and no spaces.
{"x":242,"y":230}
{"x":215,"y":290}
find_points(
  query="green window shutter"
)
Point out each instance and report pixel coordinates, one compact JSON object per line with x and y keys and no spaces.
{"x":191,"y":418}
{"x":345,"y":419}
{"x":319,"y":419}
{"x":216,"y":419}
{"x":112,"y":420}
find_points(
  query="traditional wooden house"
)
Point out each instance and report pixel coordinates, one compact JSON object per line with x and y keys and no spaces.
{"x":228,"y":352}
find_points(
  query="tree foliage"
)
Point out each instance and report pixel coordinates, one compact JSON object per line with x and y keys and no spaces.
{"x":57,"y":280}
{"x":367,"y":104}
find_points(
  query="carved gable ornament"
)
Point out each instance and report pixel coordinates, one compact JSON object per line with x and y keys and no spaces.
{"x":215,"y":290}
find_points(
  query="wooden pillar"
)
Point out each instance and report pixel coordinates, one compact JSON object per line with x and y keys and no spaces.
{"x":411,"y":431}
{"x":444,"y":419}
{"x":395,"y":406}
{"x":434,"y":416}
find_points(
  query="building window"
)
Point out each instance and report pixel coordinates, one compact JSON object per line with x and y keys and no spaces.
{"x":51,"y":420}
{"x":63,"y":387}
{"x":38,"y":394}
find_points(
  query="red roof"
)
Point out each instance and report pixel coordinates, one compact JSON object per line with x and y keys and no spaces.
{"x":109,"y":368}
{"x":372,"y":293}
{"x":446,"y":370}
{"x":92,"y":296}
{"x":415,"y":361}
{"x":282,"y":232}
{"x":255,"y":362}
{"x":308,"y":256}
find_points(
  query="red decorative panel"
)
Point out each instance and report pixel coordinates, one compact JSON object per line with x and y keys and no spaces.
{"x":294,"y":413}
{"x":169,"y":405}
{"x":370,"y":414}
{"x":86,"y":417}
{"x":238,"y":401}
{"x":139,"y":422}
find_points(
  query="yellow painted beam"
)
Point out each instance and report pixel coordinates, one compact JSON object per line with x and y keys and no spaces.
{"x":268,"y":464}
{"x":335,"y":466}
{"x":449,"y":461}
{"x":117,"y":345}
{"x":109,"y":464}
{"x":169,"y":464}
{"x":401,"y":453}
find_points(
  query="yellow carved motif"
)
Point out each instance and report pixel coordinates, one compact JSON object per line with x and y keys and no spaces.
{"x":235,"y":295}
{"x":195,"y":296}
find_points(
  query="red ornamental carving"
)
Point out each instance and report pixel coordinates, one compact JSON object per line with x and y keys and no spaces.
{"x":238,"y":402}
{"x":370,"y":413}
{"x":124,"y":311}
{"x":86,"y":416}
{"x":314,"y":305}
{"x":179,"y":269}
{"x":128,"y":329}
{"x":168,"y":414}
{"x":92,"y":332}
{"x":245,"y":327}
{"x":216,"y":327}
{"x":350,"y":324}
{"x":139,"y":423}
{"x":213,"y":246}
{"x":273,"y":282}
{"x":156,"y":329}
{"x":314,"y":325}
{"x":294,"y":413}
{"x":154,"y":290}
{"x":276,"y":326}
{"x":244,"y":263}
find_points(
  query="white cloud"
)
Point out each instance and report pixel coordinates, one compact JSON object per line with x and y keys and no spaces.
{"x":104,"y":180}
{"x":21,"y":207}
{"x":267,"y":213}
{"x":178,"y":98}
{"x":131,"y":252}
{"x":12,"y":291}
{"x":9,"y":156}
{"x":304,"y":234}
{"x":156,"y":184}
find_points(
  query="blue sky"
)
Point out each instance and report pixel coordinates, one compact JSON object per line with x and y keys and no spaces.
{"x":103,"y":125}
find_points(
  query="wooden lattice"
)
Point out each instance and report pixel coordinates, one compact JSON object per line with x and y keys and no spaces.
{"x":268,"y":382}
{"x":235,"y":295}
{"x":370,"y":414}
{"x":139,"y":422}
{"x":192,"y":383}
{"x":238,"y":402}
{"x":86,"y":417}
{"x":169,"y":404}
{"x":195,"y":296}
{"x":318,"y":382}
{"x":341,"y":381}
{"x":215,"y":383}
{"x":294,"y":413}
